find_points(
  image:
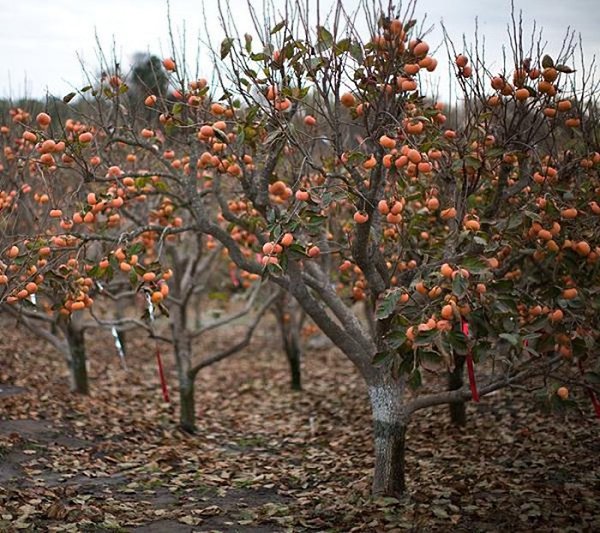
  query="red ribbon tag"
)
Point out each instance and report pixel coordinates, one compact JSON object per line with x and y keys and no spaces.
{"x":470,"y":365}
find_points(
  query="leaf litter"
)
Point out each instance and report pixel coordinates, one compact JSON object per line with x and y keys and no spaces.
{"x":266,"y":458}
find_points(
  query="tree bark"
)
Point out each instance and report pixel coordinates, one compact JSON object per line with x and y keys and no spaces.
{"x":458,"y":410}
{"x":187,"y":405}
{"x":183,"y":359}
{"x":289,"y":324}
{"x":292,"y":350}
{"x":76,"y":342}
{"x":389,"y":432}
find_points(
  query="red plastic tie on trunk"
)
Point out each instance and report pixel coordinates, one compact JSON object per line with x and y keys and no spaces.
{"x":161,"y":373}
{"x":470,"y":365}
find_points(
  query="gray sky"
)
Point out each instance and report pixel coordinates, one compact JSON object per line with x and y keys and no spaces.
{"x":41,"y":41}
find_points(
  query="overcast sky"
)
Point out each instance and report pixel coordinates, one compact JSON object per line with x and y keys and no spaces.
{"x":42,"y":41}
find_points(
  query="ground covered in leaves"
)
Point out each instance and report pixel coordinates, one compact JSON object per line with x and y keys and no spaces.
{"x":266,"y":458}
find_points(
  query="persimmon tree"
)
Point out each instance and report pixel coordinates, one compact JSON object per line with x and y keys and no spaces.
{"x":23,"y":211}
{"x":317,"y":162}
{"x":104,"y":250}
{"x":437,"y":230}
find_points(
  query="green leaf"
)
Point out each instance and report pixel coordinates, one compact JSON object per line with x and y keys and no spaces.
{"x":278,"y":26}
{"x":177,"y":108}
{"x":133,"y":278}
{"x":425,"y":338}
{"x":248,"y":40}
{"x":221,"y":135}
{"x":532,"y":216}
{"x":481,"y":351}
{"x":218,"y":296}
{"x":459,"y":285}
{"x":356,"y":52}
{"x":547,"y":62}
{"x":472,"y":161}
{"x":396,"y":339}
{"x":592,"y":377}
{"x":565,"y":69}
{"x":388,"y":304}
{"x":512,"y":339}
{"x":381,"y":357}
{"x":474,"y":264}
{"x":137,"y":248}
{"x":324,"y":37}
{"x":415,"y":380}
{"x":226,"y":45}
{"x":458,"y":341}
{"x":497,"y":151}
{"x":343,"y":46}
{"x":514,"y":222}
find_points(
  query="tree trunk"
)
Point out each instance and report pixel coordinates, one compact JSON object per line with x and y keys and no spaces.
{"x":187,"y":405}
{"x":121,"y":337}
{"x":389,"y":429}
{"x":458,"y":410}
{"x":79,"y":376}
{"x":292,"y":350}
{"x":183,"y":359}
{"x":289,"y":322}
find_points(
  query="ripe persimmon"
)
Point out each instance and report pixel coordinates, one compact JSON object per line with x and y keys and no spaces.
{"x":556,"y":315}
{"x":569,"y":213}
{"x":302,"y":196}
{"x":562,"y":393}
{"x":569,"y":294}
{"x":446,"y":270}
{"x":169,"y":64}
{"x":522,"y":94}
{"x":348,"y":100}
{"x":550,"y":74}
{"x":43,"y":120}
{"x":287,"y":239}
{"x":583,"y":248}
{"x":387,"y":142}
{"x":420,"y":49}
{"x":564,"y":105}
{"x":461,"y":61}
{"x":472,"y":225}
{"x":360,"y":217}
{"x":313,"y":251}
{"x":447,"y":312}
